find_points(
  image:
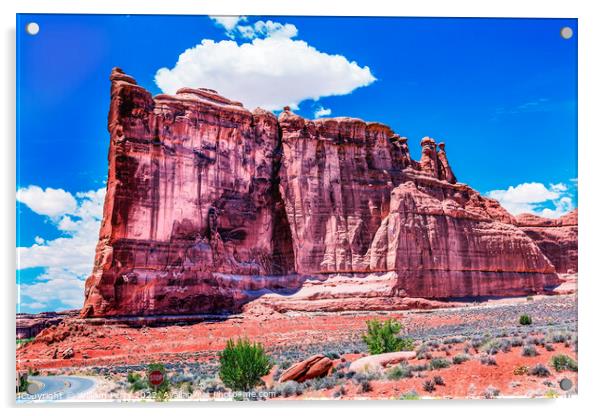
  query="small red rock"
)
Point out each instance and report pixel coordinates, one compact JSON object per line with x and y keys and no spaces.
{"x":315,"y":366}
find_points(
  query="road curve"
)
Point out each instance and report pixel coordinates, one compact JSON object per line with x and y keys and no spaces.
{"x":56,"y":388}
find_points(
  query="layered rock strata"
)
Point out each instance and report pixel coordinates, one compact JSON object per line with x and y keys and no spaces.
{"x":557,"y":238}
{"x":210,"y":205}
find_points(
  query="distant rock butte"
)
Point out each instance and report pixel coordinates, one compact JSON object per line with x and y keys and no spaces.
{"x":557,"y":238}
{"x":210,"y":205}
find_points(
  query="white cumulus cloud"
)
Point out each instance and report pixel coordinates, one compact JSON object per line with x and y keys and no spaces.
{"x":50,"y":202}
{"x":268,"y":73}
{"x":532,"y":198}
{"x":66,"y":260}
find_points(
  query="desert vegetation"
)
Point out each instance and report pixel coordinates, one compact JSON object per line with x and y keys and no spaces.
{"x":382,"y":337}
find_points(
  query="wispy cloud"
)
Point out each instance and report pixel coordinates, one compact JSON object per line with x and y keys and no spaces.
{"x":321,"y":112}
{"x":536,"y":105}
{"x":234,"y":27}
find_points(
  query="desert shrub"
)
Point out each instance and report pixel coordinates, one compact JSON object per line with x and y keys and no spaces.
{"x":438,"y":380}
{"x":340,"y":392}
{"x":525,"y":320}
{"x":492,"y":347}
{"x":529,"y":351}
{"x":382,"y":337}
{"x":322,"y":383}
{"x":491,"y":392}
{"x":433,"y":343}
{"x":358,"y":378}
{"x":365,"y":386}
{"x":418,"y":367}
{"x":213,"y":386}
{"x":437,"y":363}
{"x":460,"y":358}
{"x":521,"y":370}
{"x":399,"y":372}
{"x":505,"y":345}
{"x":454,"y":340}
{"x":478,"y":341}
{"x":288,"y":389}
{"x":410,"y":395}
{"x":517,"y":342}
{"x":549,"y":347}
{"x":558,"y":337}
{"x":338,"y":374}
{"x":488,"y":360}
{"x":137,"y":382}
{"x":539,"y":370}
{"x":242,"y":364}
{"x":423,"y":352}
{"x":429,"y":385}
{"x":332,"y":355}
{"x":563,"y":362}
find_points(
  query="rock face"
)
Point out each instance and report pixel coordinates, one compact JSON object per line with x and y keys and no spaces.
{"x":557,"y":238}
{"x":30,"y":325}
{"x":210,"y":205}
{"x":315,"y":366}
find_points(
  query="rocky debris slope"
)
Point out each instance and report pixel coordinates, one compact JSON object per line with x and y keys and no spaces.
{"x":29,"y":325}
{"x":210,"y":205}
{"x":557,"y":238}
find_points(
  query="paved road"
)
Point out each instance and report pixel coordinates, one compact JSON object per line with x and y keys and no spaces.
{"x":57,"y":388}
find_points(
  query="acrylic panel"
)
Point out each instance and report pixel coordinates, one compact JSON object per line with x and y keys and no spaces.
{"x":292,"y":208}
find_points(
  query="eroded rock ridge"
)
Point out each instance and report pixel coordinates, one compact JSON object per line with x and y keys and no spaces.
{"x":210,"y":205}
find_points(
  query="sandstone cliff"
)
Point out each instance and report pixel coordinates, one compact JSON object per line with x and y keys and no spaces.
{"x":210,"y":205}
{"x":557,"y":238}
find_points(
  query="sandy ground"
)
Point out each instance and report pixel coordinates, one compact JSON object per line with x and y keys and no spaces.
{"x":113,"y":350}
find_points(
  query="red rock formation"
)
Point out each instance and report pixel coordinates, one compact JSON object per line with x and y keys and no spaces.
{"x":315,"y":366}
{"x":191,"y":204}
{"x":210,"y":205}
{"x":557,"y":238}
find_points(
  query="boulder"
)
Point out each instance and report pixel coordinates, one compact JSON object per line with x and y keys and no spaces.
{"x":315,"y":366}
{"x":375,"y":363}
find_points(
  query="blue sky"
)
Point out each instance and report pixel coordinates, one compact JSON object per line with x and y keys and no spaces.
{"x":502,"y":93}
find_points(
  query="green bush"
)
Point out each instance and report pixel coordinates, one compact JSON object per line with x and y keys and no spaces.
{"x":382,"y":337}
{"x":399,"y":372}
{"x":242,"y":364}
{"x":437,"y":363}
{"x":563,"y":362}
{"x":460,"y":358}
{"x":525,"y":320}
